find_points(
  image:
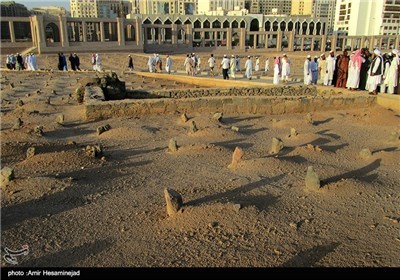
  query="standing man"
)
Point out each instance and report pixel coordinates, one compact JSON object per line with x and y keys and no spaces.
{"x":330,"y":67}
{"x":188,"y":64}
{"x":93,"y":61}
{"x":168,"y":64}
{"x":211,"y":63}
{"x":375,"y":72}
{"x":238,"y":63}
{"x":225,"y":63}
{"x":354,"y":70}
{"x":249,"y":67}
{"x":267,"y":65}
{"x":98,"y":62}
{"x":150,"y":64}
{"x":285,"y":68}
{"x":343,"y":67}
{"x":393,"y":73}
{"x":130,"y":63}
{"x":277,"y":69}
{"x":307,"y":70}
{"x":232,"y":67}
{"x":20,"y":62}
{"x":72,"y":62}
{"x":314,"y":71}
{"x":322,"y":69}
{"x":77,"y":62}
{"x":257,"y":67}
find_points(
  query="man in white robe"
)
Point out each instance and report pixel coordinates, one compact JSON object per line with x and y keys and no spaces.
{"x":277,"y":70}
{"x":355,"y":63}
{"x":150,"y":64}
{"x":375,"y":72}
{"x":257,"y":67}
{"x":393,"y":75}
{"x":249,"y":68}
{"x":168,"y":64}
{"x":330,"y":67}
{"x":307,"y":70}
{"x":98,"y":62}
{"x":323,"y":76}
{"x":267,"y":65}
{"x":285,"y":68}
{"x":232,"y":67}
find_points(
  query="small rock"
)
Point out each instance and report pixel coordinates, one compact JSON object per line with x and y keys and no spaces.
{"x":94,"y":151}
{"x":27,"y":95}
{"x":60,"y":119}
{"x":309,"y":118}
{"x":217,"y":116}
{"x":318,"y":149}
{"x":193,"y":128}
{"x":184,"y":118}
{"x":12,"y":85}
{"x":71,"y":143}
{"x":18,"y":123}
{"x":38,"y":130}
{"x":293,"y":225}
{"x":236,"y":157}
{"x":38,"y":91}
{"x":31,"y":152}
{"x":54,"y":92}
{"x":213,"y":224}
{"x":47,"y":100}
{"x":7,"y":175}
{"x":172,"y":145}
{"x":237,"y":207}
{"x":274,"y":120}
{"x":174,"y":201}
{"x":102,"y":129}
{"x":235,"y":128}
{"x":277,"y":145}
{"x":310,"y":147}
{"x":19,"y":103}
{"x":293,"y":132}
{"x":312,"y":180}
{"x":365,"y":153}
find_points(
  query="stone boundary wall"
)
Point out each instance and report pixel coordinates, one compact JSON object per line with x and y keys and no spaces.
{"x":389,"y":101}
{"x":219,"y":92}
{"x":263,"y":105}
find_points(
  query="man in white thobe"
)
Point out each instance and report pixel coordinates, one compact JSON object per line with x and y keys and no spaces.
{"x":307,"y":70}
{"x":257,"y":67}
{"x":375,"y":72}
{"x":168,"y":64}
{"x":330,"y":67}
{"x":393,"y":73}
{"x":285,"y":68}
{"x":355,"y":63}
{"x":249,"y":68}
{"x":232,"y":67}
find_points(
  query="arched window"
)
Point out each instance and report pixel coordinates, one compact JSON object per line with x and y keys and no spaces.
{"x":254,"y":25}
{"x":52,"y":33}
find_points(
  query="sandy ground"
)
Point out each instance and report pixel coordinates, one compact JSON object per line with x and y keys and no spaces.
{"x":73,"y":210}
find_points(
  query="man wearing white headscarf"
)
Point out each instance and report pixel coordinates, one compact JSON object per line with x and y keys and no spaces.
{"x":375,"y":72}
{"x":307,"y":70}
{"x":393,"y":73}
{"x":330,"y":67}
{"x":322,"y":69}
{"x":285,"y":68}
{"x":150,"y":64}
{"x":249,"y":67}
{"x":355,"y":63}
{"x":257,"y":67}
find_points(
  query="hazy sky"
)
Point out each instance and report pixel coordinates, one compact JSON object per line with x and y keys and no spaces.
{"x":34,"y":4}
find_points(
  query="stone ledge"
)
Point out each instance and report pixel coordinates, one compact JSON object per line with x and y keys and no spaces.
{"x":389,"y":101}
{"x":265,"y":105}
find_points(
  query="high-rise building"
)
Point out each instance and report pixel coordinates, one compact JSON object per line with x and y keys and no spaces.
{"x":182,"y":7}
{"x":302,"y":7}
{"x":268,"y":7}
{"x":205,"y":6}
{"x":12,"y":9}
{"x":325,"y":9}
{"x":368,"y":17}
{"x":100,"y":8}
{"x":51,"y":10}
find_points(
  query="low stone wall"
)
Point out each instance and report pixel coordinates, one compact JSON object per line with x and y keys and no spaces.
{"x":215,"y":92}
{"x":267,"y":105}
{"x":389,"y":101}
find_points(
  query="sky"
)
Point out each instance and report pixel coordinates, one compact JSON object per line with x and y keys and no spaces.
{"x":34,"y":4}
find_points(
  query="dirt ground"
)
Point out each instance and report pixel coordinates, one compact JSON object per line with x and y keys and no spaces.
{"x":73,"y":210}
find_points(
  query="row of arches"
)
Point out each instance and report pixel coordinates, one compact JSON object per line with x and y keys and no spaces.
{"x":300,"y":27}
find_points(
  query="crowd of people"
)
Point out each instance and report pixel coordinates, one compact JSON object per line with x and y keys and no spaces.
{"x":362,"y":70}
{"x":20,"y":62}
